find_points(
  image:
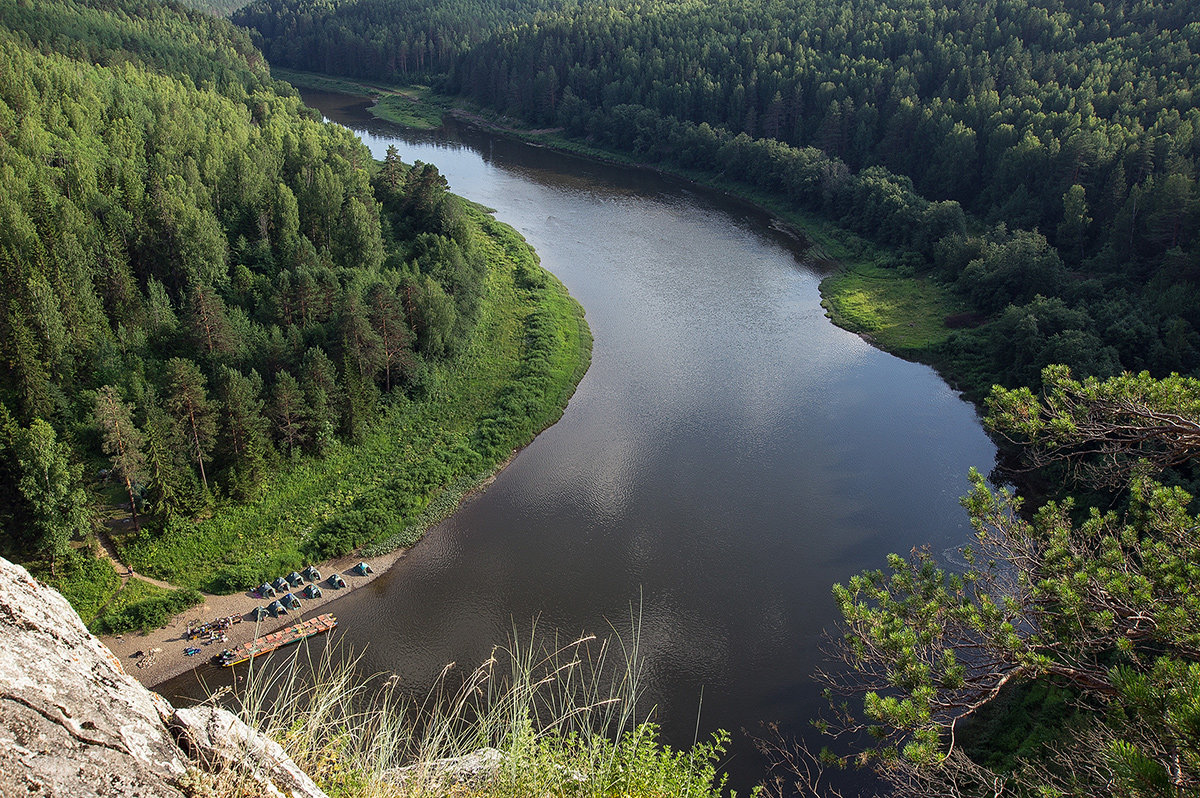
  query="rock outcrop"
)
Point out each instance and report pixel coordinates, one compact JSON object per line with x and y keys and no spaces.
{"x":73,"y":723}
{"x":441,"y":775}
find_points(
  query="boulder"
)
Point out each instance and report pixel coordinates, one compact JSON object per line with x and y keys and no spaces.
{"x":476,"y":768}
{"x":221,"y":742}
{"x":73,"y":723}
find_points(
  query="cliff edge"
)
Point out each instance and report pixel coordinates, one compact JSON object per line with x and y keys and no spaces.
{"x":73,"y":723}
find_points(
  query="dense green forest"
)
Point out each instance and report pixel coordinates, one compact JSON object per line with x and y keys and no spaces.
{"x":1035,"y":158}
{"x":212,"y":299}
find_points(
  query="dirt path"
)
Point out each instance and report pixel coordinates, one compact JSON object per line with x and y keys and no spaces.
{"x":160,"y":653}
{"x":109,"y":550}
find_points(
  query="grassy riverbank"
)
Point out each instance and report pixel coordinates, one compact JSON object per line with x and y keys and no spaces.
{"x":530,"y":350}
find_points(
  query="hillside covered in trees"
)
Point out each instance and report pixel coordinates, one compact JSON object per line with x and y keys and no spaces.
{"x":212,"y":298}
{"x":1035,"y":157}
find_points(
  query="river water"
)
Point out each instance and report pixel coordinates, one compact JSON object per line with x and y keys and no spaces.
{"x":728,"y":457}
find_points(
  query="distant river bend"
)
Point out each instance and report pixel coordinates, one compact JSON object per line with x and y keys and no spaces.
{"x":728,"y":457}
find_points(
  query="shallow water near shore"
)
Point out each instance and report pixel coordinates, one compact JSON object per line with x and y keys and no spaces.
{"x":729,"y":456}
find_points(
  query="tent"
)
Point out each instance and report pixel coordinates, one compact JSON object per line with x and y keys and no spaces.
{"x":337,"y":581}
{"x":295,"y":579}
{"x":277,"y":609}
{"x":280,"y":584}
{"x":312,"y":591}
{"x":265,"y":590}
{"x":258,"y":613}
{"x":291,"y":602}
{"x":311,"y":574}
{"x":362,"y":569}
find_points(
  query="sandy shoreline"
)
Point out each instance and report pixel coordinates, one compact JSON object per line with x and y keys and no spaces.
{"x":171,"y":661}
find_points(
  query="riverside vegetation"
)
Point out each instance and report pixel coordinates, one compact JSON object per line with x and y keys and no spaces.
{"x":221,"y":314}
{"x":1032,"y":161}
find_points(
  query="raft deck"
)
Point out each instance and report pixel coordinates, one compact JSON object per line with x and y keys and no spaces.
{"x":276,"y":640}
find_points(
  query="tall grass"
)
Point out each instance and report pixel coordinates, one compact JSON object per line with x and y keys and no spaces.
{"x":555,"y":719}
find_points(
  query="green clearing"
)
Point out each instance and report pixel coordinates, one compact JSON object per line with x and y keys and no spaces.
{"x":529,"y":351}
{"x":904,"y":315}
{"x":87,"y":582}
{"x":413,"y":106}
{"x":141,"y":606}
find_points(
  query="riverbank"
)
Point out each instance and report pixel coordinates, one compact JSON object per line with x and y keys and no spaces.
{"x":159,"y":655}
{"x":411,"y":471}
{"x":530,"y":349}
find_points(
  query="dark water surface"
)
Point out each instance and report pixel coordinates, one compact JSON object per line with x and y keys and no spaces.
{"x":728,"y":457}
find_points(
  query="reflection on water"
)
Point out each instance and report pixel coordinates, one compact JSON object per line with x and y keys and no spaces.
{"x":728,"y":457}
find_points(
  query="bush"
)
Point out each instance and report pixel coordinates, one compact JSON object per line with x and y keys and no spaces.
{"x":148,"y":614}
{"x":87,"y":582}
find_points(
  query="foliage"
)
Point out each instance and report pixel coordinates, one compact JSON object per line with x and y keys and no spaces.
{"x":49,"y":483}
{"x":87,"y":582}
{"x":1101,"y":602}
{"x":1105,"y":428}
{"x":141,"y":606}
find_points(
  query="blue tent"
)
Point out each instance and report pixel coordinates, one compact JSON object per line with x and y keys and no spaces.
{"x":295,"y":579}
{"x":311,"y":574}
{"x":337,"y":581}
{"x":277,"y":609}
{"x":312,"y":591}
{"x":280,"y":584}
{"x":362,"y":569}
{"x":265,"y":590}
{"x":291,"y":602}
{"x":258,"y":613}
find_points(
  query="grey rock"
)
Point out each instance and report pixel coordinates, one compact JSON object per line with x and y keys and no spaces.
{"x":74,"y":724}
{"x":477,"y":767}
{"x":219,"y":741}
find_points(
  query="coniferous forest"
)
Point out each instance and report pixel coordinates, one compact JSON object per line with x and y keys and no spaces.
{"x":1036,"y":157}
{"x":212,"y":298}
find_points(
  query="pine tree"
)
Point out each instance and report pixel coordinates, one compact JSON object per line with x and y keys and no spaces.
{"x":386,"y":315}
{"x":242,"y":440}
{"x":188,"y":403}
{"x":163,"y":493}
{"x":121,"y":440}
{"x":208,"y":321}
{"x":287,"y":411}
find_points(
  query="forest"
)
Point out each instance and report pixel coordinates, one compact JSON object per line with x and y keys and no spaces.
{"x":212,"y":298}
{"x":1037,"y":159}
{"x":224,"y":317}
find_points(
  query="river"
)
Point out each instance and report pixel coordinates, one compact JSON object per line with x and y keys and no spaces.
{"x":728,"y":457}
